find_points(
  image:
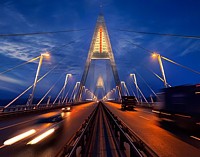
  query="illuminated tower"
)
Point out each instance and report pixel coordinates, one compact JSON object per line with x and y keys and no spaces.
{"x":100,"y":48}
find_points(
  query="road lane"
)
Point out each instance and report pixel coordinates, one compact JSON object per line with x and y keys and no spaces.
{"x":17,"y":120}
{"x":48,"y":148}
{"x":165,"y":143}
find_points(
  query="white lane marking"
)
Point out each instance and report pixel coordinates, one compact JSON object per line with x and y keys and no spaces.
{"x":16,"y":124}
{"x":2,"y":146}
{"x":144,"y":117}
{"x":146,"y":111}
{"x":196,"y":138}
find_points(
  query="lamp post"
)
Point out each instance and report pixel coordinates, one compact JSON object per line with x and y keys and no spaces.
{"x":65,"y":84}
{"x":73,"y":92}
{"x":120,"y":96}
{"x":156,"y":55}
{"x":63,"y":88}
{"x":36,"y":76}
{"x":81,"y":94}
{"x":136,"y":84}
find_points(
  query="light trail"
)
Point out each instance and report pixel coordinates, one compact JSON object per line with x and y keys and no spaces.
{"x":19,"y":137}
{"x":41,"y":137}
{"x":196,"y":138}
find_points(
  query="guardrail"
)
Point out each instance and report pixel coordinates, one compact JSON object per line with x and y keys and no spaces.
{"x":22,"y":109}
{"x":80,"y":138}
{"x":125,"y":135}
{"x":25,"y":110}
{"x":120,"y":132}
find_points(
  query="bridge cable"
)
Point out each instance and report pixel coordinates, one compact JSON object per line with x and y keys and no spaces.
{"x":129,"y":85}
{"x":194,"y":71}
{"x":49,"y":90}
{"x":31,"y":60}
{"x":158,"y":76}
{"x":29,"y":87}
{"x":32,"y":85}
{"x":167,"y":59}
{"x":160,"y":34}
{"x":67,"y":93}
{"x":146,"y":83}
{"x":41,"y":33}
{"x":10,"y":69}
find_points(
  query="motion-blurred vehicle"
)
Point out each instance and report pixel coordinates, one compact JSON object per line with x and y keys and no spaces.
{"x":44,"y":129}
{"x":53,"y":119}
{"x":180,"y":104}
{"x":128,"y":102}
{"x":66,"y":109}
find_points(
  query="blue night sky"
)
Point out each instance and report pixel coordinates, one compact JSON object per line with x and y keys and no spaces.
{"x":69,"y":50}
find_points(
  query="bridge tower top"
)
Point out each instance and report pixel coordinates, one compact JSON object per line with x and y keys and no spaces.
{"x":100,"y":48}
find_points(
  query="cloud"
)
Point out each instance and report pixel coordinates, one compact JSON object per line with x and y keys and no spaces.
{"x":13,"y":90}
{"x":24,"y":49}
{"x":194,"y":47}
{"x":11,"y":80}
{"x":9,"y":14}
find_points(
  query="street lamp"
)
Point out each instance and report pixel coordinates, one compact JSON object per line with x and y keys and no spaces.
{"x":156,"y":55}
{"x":66,"y":80}
{"x":136,"y":85}
{"x":120,"y":95}
{"x":37,"y":73}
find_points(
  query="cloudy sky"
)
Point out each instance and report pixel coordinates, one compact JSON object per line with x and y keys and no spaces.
{"x":69,"y":50}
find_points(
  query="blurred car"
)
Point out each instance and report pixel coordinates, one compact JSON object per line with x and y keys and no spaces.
{"x":66,"y":109}
{"x":52,"y":119}
{"x":44,"y":129}
{"x":53,"y":126}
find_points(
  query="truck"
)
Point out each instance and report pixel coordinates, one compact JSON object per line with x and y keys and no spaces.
{"x":128,"y":102}
{"x":180,"y":104}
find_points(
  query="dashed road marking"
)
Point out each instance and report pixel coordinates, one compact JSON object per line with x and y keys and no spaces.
{"x":2,"y":146}
{"x":144,"y":118}
{"x":6,"y":127}
{"x":196,"y":138}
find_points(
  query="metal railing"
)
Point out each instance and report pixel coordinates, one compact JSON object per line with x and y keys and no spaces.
{"x":22,"y":109}
{"x":120,"y":132}
{"x":125,"y":135}
{"x":80,"y":138}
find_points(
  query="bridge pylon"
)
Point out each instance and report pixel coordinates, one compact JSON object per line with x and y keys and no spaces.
{"x":100,"y":48}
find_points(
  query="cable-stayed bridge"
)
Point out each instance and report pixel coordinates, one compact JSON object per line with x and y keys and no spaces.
{"x":85,"y":118}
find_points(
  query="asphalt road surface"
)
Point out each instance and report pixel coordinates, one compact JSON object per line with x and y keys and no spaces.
{"x":165,"y":140}
{"x":49,"y":146}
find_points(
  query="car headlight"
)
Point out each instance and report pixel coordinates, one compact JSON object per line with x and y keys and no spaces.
{"x":68,"y":108}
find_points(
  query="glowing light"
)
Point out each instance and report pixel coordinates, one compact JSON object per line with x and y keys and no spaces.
{"x":19,"y":137}
{"x":69,"y":75}
{"x":180,"y":115}
{"x":100,"y":44}
{"x":195,"y":138}
{"x":155,"y":111}
{"x":154,"y":55}
{"x":68,"y":108}
{"x":168,"y":114}
{"x":42,"y":136}
{"x":46,"y":54}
